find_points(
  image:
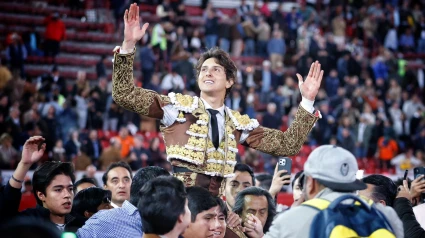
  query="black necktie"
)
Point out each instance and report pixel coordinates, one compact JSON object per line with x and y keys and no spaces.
{"x":214,"y":126}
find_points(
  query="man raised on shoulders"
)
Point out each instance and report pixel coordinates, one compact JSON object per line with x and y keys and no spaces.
{"x":201,"y":133}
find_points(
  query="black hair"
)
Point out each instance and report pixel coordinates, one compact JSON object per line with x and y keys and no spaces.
{"x":89,"y":199}
{"x":200,"y":199}
{"x":300,"y":182}
{"x":85,"y":180}
{"x":162,"y":201}
{"x":46,"y":172}
{"x":29,"y":227}
{"x":385,"y":189}
{"x":141,"y":178}
{"x":223,"y":207}
{"x":113,"y":166}
{"x":245,"y":168}
{"x":256,"y":191}
{"x":399,"y":182}
{"x":265,"y":181}
{"x":222,"y":58}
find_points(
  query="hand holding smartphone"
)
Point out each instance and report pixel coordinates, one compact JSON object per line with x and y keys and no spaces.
{"x":285,"y":163}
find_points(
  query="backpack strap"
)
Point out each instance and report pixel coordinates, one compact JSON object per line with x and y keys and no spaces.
{"x":317,"y":203}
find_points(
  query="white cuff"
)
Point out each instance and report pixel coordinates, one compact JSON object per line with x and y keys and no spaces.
{"x":307,"y":104}
{"x":121,"y":51}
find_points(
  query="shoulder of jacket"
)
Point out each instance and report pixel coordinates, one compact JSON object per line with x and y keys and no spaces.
{"x":242,"y":122}
{"x":185,"y":103}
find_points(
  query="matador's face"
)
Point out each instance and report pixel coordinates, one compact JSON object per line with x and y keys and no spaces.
{"x":212,"y":78}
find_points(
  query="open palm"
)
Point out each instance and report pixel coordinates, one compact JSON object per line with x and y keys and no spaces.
{"x":310,"y":86}
{"x":132,"y":30}
{"x":31,"y":152}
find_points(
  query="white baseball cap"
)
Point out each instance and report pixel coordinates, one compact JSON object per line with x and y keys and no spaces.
{"x":334,"y":167}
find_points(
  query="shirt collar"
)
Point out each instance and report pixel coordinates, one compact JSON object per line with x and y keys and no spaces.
{"x":114,"y":205}
{"x":129,"y":208}
{"x":208,"y":106}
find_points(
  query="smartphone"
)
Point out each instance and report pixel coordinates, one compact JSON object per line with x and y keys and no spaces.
{"x":418,"y":171}
{"x":285,"y":163}
{"x":405,"y":174}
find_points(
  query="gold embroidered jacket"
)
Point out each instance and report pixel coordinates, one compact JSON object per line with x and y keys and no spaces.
{"x":187,"y":142}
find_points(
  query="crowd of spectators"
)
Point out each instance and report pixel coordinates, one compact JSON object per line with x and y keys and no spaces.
{"x":371,"y":100}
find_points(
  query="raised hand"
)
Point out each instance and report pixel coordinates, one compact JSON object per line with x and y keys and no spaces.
{"x":279,"y":181}
{"x":253,"y":227}
{"x":31,"y":152}
{"x":132,"y":30}
{"x":310,"y":86}
{"x":417,"y":187}
{"x":233,"y":219}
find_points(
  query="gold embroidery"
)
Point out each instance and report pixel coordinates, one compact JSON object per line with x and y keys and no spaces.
{"x":127,"y":95}
{"x":288,"y":143}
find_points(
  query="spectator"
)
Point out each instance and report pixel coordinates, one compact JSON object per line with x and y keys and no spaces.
{"x":323,"y":177}
{"x":73,"y":146}
{"x":249,"y":31}
{"x":271,"y":119}
{"x":8,"y":155}
{"x":148,"y":59}
{"x":59,"y":153}
{"x":339,"y":29}
{"x":126,"y":141}
{"x":92,"y":147}
{"x":163,"y":208}
{"x":380,"y":189}
{"x":163,"y":11}
{"x":139,"y":156}
{"x":403,"y":207}
{"x":16,"y":54}
{"x":257,"y":202}
{"x":244,"y":178}
{"x":88,"y":202}
{"x":13,"y":126}
{"x":101,"y":67}
{"x":173,"y":82}
{"x":225,"y":34}
{"x":332,"y":83}
{"x":85,"y":183}
{"x":362,"y":134}
{"x":263,"y":36}
{"x":297,"y":186}
{"x":276,"y":49}
{"x":208,"y":214}
{"x":117,"y":179}
{"x":211,"y":29}
{"x":54,"y":34}
{"x":405,"y":161}
{"x":244,"y":9}
{"x":195,"y":42}
{"x":387,"y":149}
{"x":407,"y":42}
{"x":104,"y":223}
{"x":111,"y":154}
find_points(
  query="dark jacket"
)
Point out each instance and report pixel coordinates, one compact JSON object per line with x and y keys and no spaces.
{"x":89,"y":149}
{"x":10,"y":198}
{"x":404,"y":210}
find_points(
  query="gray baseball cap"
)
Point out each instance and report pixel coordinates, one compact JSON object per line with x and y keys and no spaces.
{"x":334,"y":167}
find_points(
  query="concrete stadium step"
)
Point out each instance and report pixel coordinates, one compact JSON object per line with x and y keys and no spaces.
{"x":70,"y":34}
{"x":38,"y":9}
{"x":74,"y":60}
{"x":34,"y":21}
{"x":69,"y":73}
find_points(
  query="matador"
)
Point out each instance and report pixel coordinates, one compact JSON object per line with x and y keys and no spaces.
{"x":201,"y":133}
